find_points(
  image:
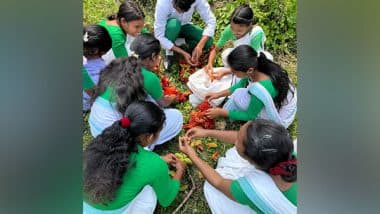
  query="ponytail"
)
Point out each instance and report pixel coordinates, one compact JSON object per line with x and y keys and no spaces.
{"x":112,"y":17}
{"x":107,"y":158}
{"x":279,"y":77}
{"x":130,"y":84}
{"x":123,"y":75}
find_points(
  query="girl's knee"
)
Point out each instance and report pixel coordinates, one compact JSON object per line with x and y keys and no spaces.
{"x":173,"y":24}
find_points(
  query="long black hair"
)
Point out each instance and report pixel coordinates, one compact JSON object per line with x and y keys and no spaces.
{"x":279,"y":77}
{"x":128,"y":10}
{"x":243,"y":15}
{"x":268,"y":144}
{"x":130,"y":84}
{"x":96,"y":40}
{"x":123,"y":75}
{"x":107,"y":158}
{"x":244,"y":57}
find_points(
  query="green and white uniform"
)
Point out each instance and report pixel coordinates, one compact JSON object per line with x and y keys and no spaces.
{"x":147,"y":168}
{"x":120,"y":42}
{"x":253,"y":190}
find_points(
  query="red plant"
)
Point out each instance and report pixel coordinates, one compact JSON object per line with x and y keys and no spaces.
{"x":198,"y":118}
{"x":165,"y":81}
{"x":204,"y":106}
{"x":172,"y":90}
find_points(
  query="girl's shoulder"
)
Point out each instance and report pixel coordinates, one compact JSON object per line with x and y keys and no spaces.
{"x":113,"y":30}
{"x":256,"y":30}
{"x":148,"y":74}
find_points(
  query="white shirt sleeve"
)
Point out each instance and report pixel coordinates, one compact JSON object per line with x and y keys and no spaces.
{"x":204,"y":10}
{"x":161,"y":15}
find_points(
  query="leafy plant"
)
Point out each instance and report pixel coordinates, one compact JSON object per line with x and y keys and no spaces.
{"x":276,"y":17}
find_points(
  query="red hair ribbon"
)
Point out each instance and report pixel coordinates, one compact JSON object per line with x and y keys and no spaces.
{"x":279,"y":168}
{"x":125,"y":122}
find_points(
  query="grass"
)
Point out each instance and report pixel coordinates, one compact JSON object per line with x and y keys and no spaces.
{"x":96,"y":10}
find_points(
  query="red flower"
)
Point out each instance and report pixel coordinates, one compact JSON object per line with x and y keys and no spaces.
{"x":198,"y":118}
{"x":172,"y":90}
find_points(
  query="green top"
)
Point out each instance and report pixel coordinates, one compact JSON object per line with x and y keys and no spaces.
{"x":255,"y":42}
{"x":152,"y":84}
{"x":239,"y":195}
{"x":255,"y":105}
{"x":86,"y":80}
{"x":149,"y":169}
{"x":109,"y":94}
{"x":118,"y":38}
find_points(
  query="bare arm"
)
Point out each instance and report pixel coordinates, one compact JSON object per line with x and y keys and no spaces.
{"x":224,"y":136}
{"x":165,"y":101}
{"x":208,"y":172}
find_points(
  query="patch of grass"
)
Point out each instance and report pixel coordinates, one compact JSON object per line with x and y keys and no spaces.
{"x":96,"y":10}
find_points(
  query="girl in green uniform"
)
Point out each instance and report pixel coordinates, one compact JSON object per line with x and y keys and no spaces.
{"x":123,"y":28}
{"x":257,"y":175}
{"x":265,"y":90}
{"x":120,"y":176}
{"x":125,"y":80}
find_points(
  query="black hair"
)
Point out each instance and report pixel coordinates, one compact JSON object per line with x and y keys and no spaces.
{"x":128,"y":10}
{"x":124,"y":75}
{"x":130,"y":84}
{"x":243,"y":15}
{"x":96,"y":40}
{"x":184,"y":5}
{"x":107,"y":158}
{"x":279,"y":77}
{"x":267,"y":144}
{"x":244,"y":57}
{"x":145,"y":46}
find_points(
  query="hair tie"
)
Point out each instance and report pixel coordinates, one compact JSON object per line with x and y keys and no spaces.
{"x":85,"y":37}
{"x":279,"y":168}
{"x":125,"y":122}
{"x":134,"y":54}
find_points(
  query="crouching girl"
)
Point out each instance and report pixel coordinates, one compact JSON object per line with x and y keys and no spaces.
{"x":120,"y":176}
{"x":268,"y":186}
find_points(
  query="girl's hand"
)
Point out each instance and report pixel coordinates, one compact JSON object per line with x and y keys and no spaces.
{"x":208,"y":69}
{"x":170,"y":159}
{"x":184,"y":146}
{"x":218,"y":75}
{"x":215,"y":112}
{"x":188,"y":59}
{"x":180,"y":166}
{"x":211,"y":95}
{"x":170,"y":98}
{"x":197,"y":52}
{"x":196,"y":132}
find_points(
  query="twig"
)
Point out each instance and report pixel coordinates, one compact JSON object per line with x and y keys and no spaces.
{"x":188,"y":194}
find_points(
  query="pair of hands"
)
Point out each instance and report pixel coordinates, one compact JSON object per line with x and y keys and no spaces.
{"x":193,"y":59}
{"x":214,"y":112}
{"x":184,"y":142}
{"x":209,"y":69}
{"x":172,"y":160}
{"x":184,"y":146}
